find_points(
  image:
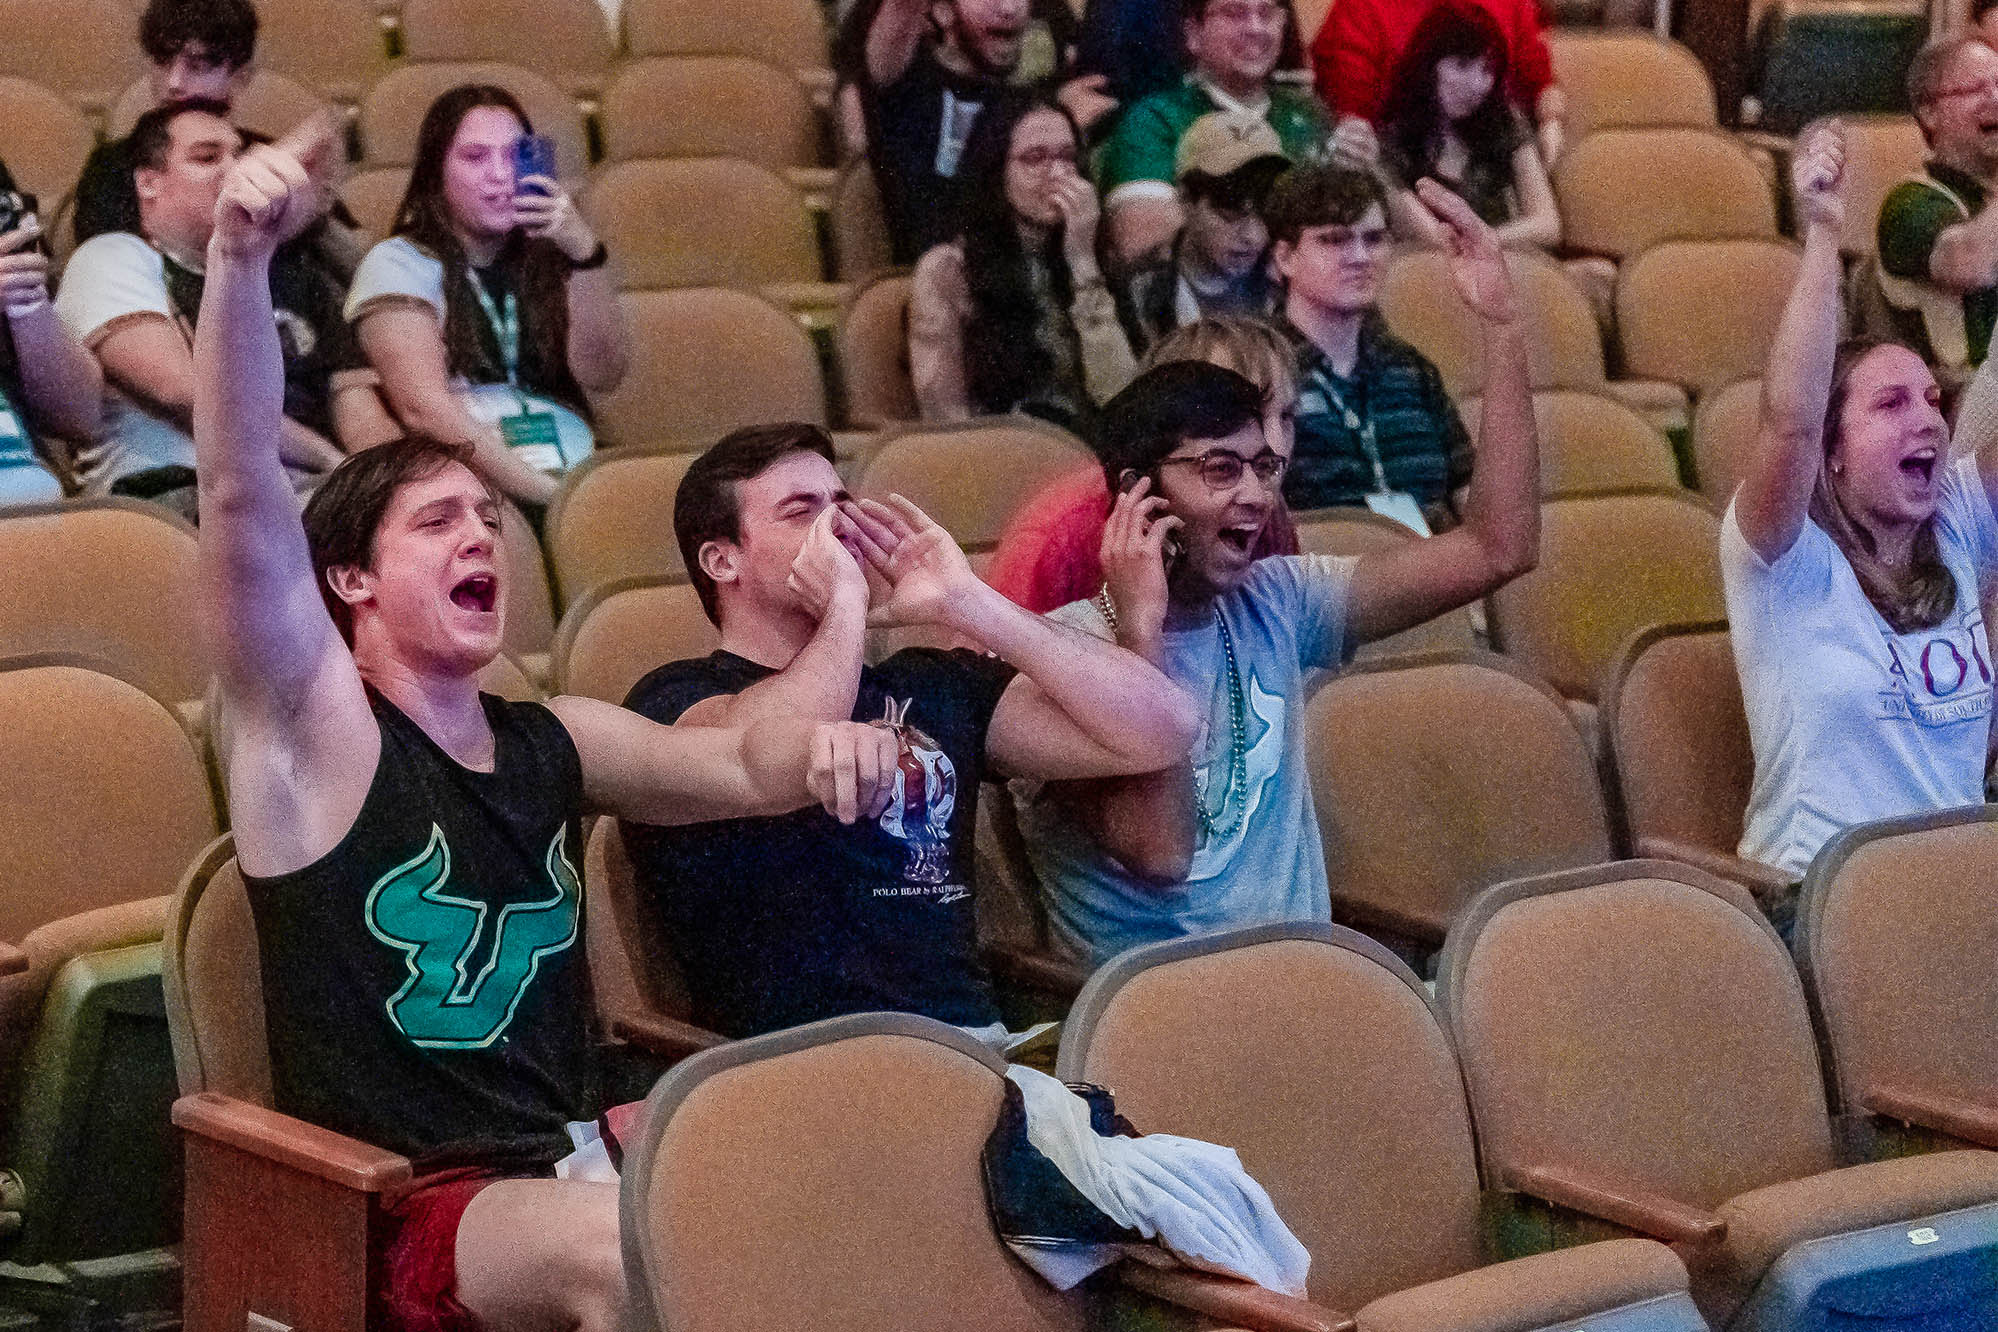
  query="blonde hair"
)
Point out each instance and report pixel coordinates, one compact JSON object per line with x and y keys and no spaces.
{"x":1252,"y":348}
{"x":1923,"y":595}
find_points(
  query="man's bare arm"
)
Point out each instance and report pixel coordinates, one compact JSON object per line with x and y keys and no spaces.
{"x":893,"y":37}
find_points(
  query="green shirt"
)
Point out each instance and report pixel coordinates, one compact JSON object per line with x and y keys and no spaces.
{"x":1913,"y":217}
{"x":1146,"y":139}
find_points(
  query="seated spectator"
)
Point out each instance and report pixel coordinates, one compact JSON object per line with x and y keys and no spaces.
{"x":49,"y":386}
{"x":1014,"y":315}
{"x":1356,"y":52}
{"x":1937,"y":238}
{"x":1218,"y":265}
{"x":133,"y":299}
{"x":921,"y":71}
{"x":196,"y":50}
{"x":491,"y":308}
{"x":1446,"y":117}
{"x":1374,"y":426}
{"x":1139,"y":46}
{"x":779,"y":921}
{"x":1051,"y":551}
{"x":1853,"y":552}
{"x":1229,"y":838}
{"x":1234,"y":45}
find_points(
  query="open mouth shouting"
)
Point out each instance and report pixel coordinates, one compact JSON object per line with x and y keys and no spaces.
{"x":1920,"y":465}
{"x":1239,"y":539}
{"x":478,"y":593}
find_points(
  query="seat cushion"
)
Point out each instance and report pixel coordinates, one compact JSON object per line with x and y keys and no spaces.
{"x":117,"y":926}
{"x":1765,"y":1223}
{"x":1532,"y":1292}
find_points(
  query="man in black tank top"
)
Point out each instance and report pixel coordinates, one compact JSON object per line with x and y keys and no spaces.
{"x":410,"y":845}
{"x":786,"y":919}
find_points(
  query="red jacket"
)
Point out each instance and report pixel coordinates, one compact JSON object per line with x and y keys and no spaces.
{"x":1355,"y":53}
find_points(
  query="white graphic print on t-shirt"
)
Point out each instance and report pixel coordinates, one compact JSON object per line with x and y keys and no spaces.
{"x":1943,"y":680}
{"x":925,"y":798}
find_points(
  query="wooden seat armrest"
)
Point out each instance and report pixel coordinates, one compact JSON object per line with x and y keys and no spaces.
{"x":12,"y":960}
{"x":667,"y":1037}
{"x":1036,"y":971}
{"x":1645,"y":1212}
{"x":1968,"y":1120}
{"x":1234,"y":1302}
{"x":290,"y":1142}
{"x":1760,"y":879}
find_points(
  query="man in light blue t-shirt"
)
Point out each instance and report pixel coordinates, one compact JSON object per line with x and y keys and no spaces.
{"x":1229,"y":838}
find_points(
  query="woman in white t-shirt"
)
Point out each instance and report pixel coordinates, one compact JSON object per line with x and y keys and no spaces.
{"x":491,"y":309}
{"x":1853,"y":553}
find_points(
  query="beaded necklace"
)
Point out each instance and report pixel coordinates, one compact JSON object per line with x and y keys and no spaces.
{"x":1238,"y":730}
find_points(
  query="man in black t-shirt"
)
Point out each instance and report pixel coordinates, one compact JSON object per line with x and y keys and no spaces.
{"x":780,"y":921}
{"x":927,"y":70}
{"x":407,"y":844}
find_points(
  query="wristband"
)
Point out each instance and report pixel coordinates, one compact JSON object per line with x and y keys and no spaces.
{"x":596,"y":259}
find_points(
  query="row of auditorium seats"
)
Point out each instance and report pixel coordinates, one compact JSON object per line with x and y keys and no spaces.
{"x":1447,"y":1161}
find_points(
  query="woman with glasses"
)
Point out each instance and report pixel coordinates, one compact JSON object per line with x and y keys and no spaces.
{"x":1014,"y":315}
{"x":1230,"y":838}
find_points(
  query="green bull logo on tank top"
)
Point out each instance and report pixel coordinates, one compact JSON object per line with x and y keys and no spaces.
{"x":465,"y":981}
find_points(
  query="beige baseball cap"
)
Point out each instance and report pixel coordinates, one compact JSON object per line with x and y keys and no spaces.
{"x":1221,"y":142}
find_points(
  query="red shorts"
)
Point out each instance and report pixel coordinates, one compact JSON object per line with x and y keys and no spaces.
{"x":416,"y":1270}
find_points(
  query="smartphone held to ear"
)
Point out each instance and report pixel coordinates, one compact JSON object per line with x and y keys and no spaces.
{"x":1172,"y":548}
{"x":533,"y":155}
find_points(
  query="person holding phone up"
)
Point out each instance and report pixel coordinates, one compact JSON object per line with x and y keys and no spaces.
{"x":491,"y":308}
{"x":1014,"y":315}
{"x":48,"y":382}
{"x":1230,"y":838}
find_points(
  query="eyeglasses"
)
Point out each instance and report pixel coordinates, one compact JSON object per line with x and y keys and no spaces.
{"x":1222,"y":470}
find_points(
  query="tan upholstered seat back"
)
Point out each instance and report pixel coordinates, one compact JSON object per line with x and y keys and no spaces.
{"x":1627,"y":79}
{"x":530,"y":607}
{"x":1880,"y":152}
{"x":1321,"y":1062}
{"x":372,"y":195}
{"x":1726,"y":427}
{"x":1357,"y":532}
{"x":82,"y":49}
{"x":787,"y":1183}
{"x":1637,"y":1021}
{"x":214,"y":983}
{"x":970,"y":478}
{"x":1695,"y":183}
{"x":394,"y":108}
{"x":106,"y":798}
{"x":703,"y":222}
{"x":621,"y":631}
{"x":705,"y":361}
{"x":1900,"y":938}
{"x":788,"y":33}
{"x":613,"y":518}
{"x":1609,"y":566}
{"x":630,"y":964}
{"x":873,"y":343}
{"x":710,"y":106}
{"x":1434,"y":780}
{"x":1678,"y":737}
{"x":270,"y":104}
{"x":1420,"y":303}
{"x":860,"y":244}
{"x":335,"y":46}
{"x":1673,"y":327}
{"x":569,"y":39}
{"x":1591,"y":444}
{"x":111,"y":579}
{"x":47,"y":142}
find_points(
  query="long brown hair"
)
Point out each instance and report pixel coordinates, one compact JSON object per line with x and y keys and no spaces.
{"x":1925,"y":593}
{"x":534,"y":268}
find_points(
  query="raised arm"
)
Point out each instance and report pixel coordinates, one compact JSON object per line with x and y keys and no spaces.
{"x":1080,"y":707}
{"x":893,"y":37}
{"x":666,"y":775}
{"x":938,"y":305}
{"x":1539,"y":219}
{"x":1775,"y":491}
{"x":1499,"y":538}
{"x":1147,"y":822}
{"x":822,"y":681}
{"x":303,"y":743}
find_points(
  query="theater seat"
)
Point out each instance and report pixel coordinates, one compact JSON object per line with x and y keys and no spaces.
{"x":47,"y":142}
{"x":1318,"y":1056}
{"x":530,"y":607}
{"x":638,"y":985}
{"x":1701,"y":314}
{"x":881,"y":1226}
{"x":790,"y":34}
{"x":1590,"y":444}
{"x":82,"y":49}
{"x":1353,"y":532}
{"x":705,"y":222}
{"x":620,"y":631}
{"x":872,"y":347}
{"x":1896,"y":938}
{"x":1639,"y":1051}
{"x":858,"y":226}
{"x":1617,"y":80}
{"x":1435,"y":776}
{"x":711,"y":106}
{"x":613,"y":519}
{"x":394,"y":107}
{"x":106,"y":798}
{"x":1623,"y":190}
{"x":970,"y":477}
{"x":1676,"y":740}
{"x":271,"y":104}
{"x":568,"y":40}
{"x":1726,"y":430}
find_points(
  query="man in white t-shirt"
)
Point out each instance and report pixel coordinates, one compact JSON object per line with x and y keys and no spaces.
{"x":132,"y":298}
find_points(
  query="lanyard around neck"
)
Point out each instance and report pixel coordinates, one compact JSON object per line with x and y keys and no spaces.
{"x":505,"y":321}
{"x":1361,"y":426}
